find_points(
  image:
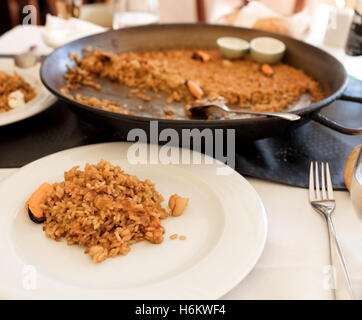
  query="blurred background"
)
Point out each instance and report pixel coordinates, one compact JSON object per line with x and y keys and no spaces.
{"x":315,"y":21}
{"x":100,"y":11}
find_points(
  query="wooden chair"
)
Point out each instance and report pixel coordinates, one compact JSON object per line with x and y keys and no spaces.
{"x":200,"y":8}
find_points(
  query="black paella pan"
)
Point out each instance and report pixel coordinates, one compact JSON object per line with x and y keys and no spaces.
{"x":317,"y":63}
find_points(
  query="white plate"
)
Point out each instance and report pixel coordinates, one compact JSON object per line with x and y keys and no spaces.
{"x":43,"y":100}
{"x":225,"y":225}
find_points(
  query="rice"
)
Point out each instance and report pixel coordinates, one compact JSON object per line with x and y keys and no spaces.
{"x":105,"y":210}
{"x":240,"y":82}
{"x":11,"y":83}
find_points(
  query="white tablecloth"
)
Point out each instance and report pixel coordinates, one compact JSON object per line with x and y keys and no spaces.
{"x":294,"y":264}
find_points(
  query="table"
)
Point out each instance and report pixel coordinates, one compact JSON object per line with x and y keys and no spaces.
{"x":294,"y":264}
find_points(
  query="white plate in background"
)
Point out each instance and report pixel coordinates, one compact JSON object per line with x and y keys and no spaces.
{"x":43,"y":100}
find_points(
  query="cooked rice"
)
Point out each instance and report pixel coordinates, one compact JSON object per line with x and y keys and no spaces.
{"x":241,"y":82}
{"x":10,"y":83}
{"x":104,"y":209}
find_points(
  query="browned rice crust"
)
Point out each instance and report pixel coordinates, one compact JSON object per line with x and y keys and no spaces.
{"x":241,"y":82}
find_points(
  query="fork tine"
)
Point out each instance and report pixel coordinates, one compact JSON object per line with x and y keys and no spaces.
{"x":324,"y":195}
{"x":329,"y":183}
{"x":311,"y":183}
{"x":317,"y":190}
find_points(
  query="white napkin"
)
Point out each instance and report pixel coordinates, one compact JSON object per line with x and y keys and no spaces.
{"x":59,"y":31}
{"x":247,"y":16}
{"x":21,"y":38}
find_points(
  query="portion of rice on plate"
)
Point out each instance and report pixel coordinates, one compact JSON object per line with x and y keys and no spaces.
{"x":14,"y":91}
{"x":103,"y":209}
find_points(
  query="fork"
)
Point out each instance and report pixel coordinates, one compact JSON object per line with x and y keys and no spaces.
{"x":322,"y":201}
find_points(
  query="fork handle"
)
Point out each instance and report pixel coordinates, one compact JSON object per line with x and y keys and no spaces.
{"x":343,"y":290}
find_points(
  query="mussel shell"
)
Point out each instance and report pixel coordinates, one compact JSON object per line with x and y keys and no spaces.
{"x":35,"y":219}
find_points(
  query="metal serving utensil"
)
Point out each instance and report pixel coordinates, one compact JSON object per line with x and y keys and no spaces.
{"x":201,"y":108}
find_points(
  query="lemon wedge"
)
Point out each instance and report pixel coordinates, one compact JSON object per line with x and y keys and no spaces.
{"x":232,"y":47}
{"x":267,"y":50}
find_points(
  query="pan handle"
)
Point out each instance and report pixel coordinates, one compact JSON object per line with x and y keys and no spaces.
{"x":322,"y":119}
{"x":353,"y":91}
{"x":346,"y":97}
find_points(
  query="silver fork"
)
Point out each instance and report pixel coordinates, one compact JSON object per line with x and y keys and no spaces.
{"x":322,"y":201}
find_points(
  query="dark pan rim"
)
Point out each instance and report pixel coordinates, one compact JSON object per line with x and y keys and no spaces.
{"x":204,"y":123}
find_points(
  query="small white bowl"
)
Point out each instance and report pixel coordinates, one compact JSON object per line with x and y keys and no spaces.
{"x":232,"y":47}
{"x":267,"y":50}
